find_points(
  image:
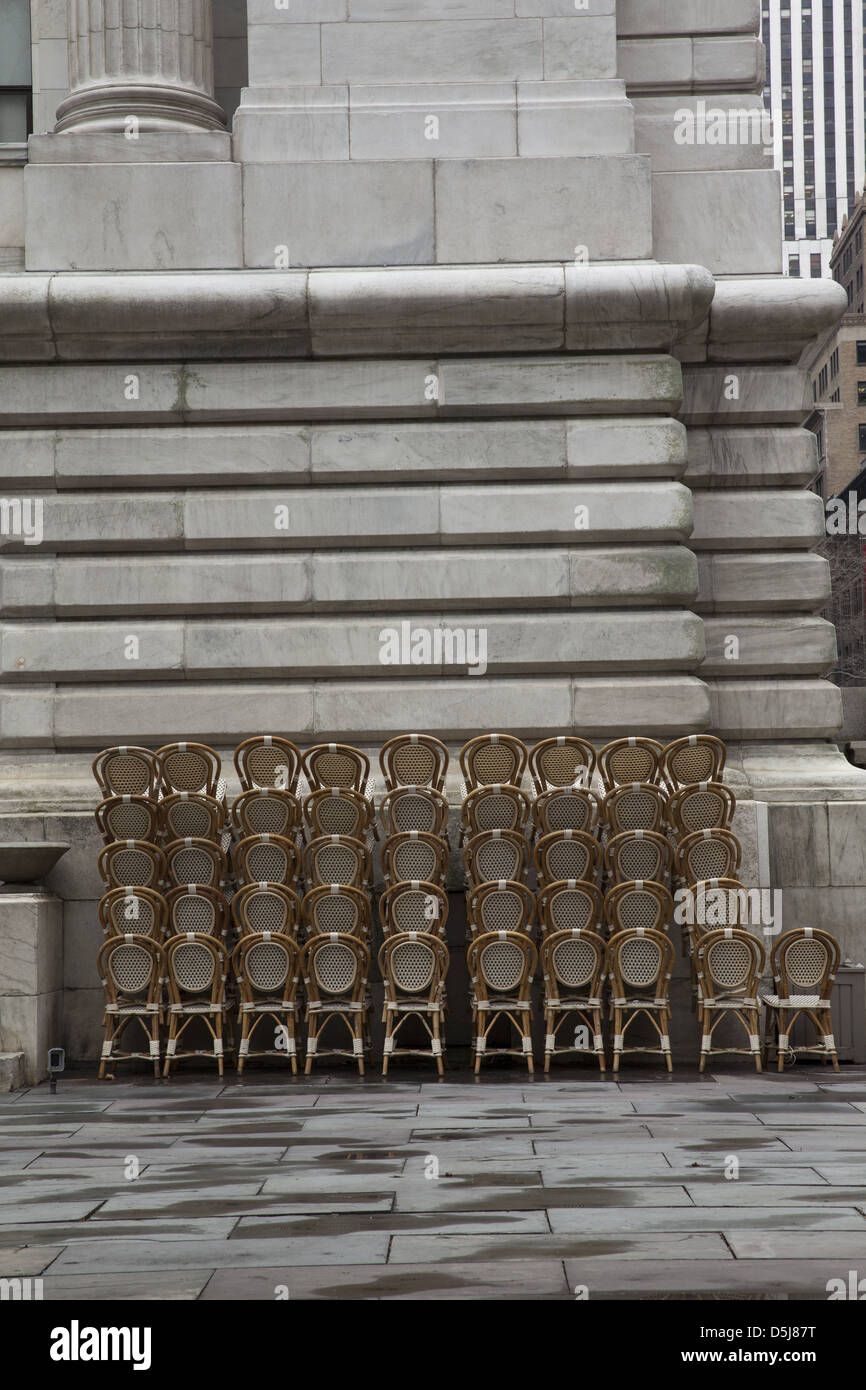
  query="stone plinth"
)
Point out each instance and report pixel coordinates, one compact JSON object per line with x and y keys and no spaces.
{"x":31,"y":979}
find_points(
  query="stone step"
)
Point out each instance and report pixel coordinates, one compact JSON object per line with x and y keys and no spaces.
{"x":740,"y":582}
{"x":747,"y":394}
{"x":300,"y":518}
{"x":297,"y":648}
{"x":760,"y":519}
{"x":384,"y":580}
{"x":791,"y":645}
{"x":388,"y":389}
{"x":444,"y":451}
{"x":736,"y":458}
{"x":775,"y":709}
{"x":222,"y":713}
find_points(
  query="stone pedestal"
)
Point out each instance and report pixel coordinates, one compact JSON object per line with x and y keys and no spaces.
{"x":31,"y":981}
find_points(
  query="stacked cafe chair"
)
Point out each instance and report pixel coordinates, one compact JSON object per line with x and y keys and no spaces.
{"x":196,"y":860}
{"x":414,"y":808}
{"x":701,"y":806}
{"x":729,"y":962}
{"x":337,"y":909}
{"x":573,"y":969}
{"x":190,"y":767}
{"x":501,"y":968}
{"x":137,"y":863}
{"x":415,"y":854}
{"x":492,"y":760}
{"x":569,"y":808}
{"x":267,"y":811}
{"x":494,"y":806}
{"x":696,"y":758}
{"x":337,"y":765}
{"x":560,"y":762}
{"x":638,"y":854}
{"x":197,"y":968}
{"x":414,"y":906}
{"x":131,"y":968}
{"x":416,"y":760}
{"x":570,"y":905}
{"x":128,"y":771}
{"x":338,"y":859}
{"x":628,"y":760}
{"x":266,"y":761}
{"x":267,"y":858}
{"x":496,"y":854}
{"x":639,"y":965}
{"x":414,"y":967}
{"x":336,"y":968}
{"x":501,"y":905}
{"x":127,"y":817}
{"x":262,"y":909}
{"x":565,"y":854}
{"x":804,"y":962}
{"x":133,"y":911}
{"x":267,"y":969}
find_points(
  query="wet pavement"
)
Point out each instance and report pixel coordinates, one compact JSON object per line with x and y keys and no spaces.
{"x":728,"y":1185}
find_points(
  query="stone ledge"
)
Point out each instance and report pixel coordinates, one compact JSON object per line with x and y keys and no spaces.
{"x":12,"y":1069}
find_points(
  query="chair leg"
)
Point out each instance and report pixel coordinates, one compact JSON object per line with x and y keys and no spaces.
{"x":437,"y":1039}
{"x":781,"y":1043}
{"x":617,"y":1038}
{"x":666,"y":1039}
{"x":106,"y":1041}
{"x":169,"y":1050}
{"x":826,"y":1022}
{"x":754,"y":1035}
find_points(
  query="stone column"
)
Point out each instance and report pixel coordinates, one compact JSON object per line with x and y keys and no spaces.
{"x":147,"y":59}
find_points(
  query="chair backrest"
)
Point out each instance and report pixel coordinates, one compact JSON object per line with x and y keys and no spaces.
{"x":630,"y":760}
{"x":501,"y":906}
{"x":266,"y":859}
{"x":638,"y":905}
{"x":416,"y":760}
{"x":197,"y":966}
{"x":415,"y":854}
{"x":640,"y":961}
{"x":266,"y":907}
{"x":571,"y":905}
{"x":717,"y":902}
{"x":131,"y":968}
{"x":338,"y":811}
{"x":193,"y":860}
{"x":413,"y":964}
{"x":266,"y":811}
{"x":495,"y":854}
{"x":337,"y":859}
{"x":573,"y":961}
{"x":501,"y":962}
{"x":133,"y":911}
{"x":337,"y":907}
{"x":197,"y":908}
{"x":638,"y":854}
{"x":414,"y":906}
{"x":695,"y":758}
{"x":189,"y":767}
{"x":192,"y":815}
{"x":266,"y":966}
{"x":574,"y":808}
{"x":634,"y":806}
{"x":497,"y":806}
{"x":701,"y":806}
{"x":493,"y":759}
{"x":335,"y":969}
{"x":564,"y":761}
{"x":132,"y":862}
{"x":804,"y":961}
{"x":336,"y":765}
{"x":129,"y":818}
{"x":729,"y":962}
{"x":564,"y":854}
{"x":127,"y":771}
{"x":268,"y":761}
{"x":708,"y":854}
{"x":414,"y":808}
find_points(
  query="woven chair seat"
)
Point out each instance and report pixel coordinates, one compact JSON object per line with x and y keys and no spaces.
{"x":206,"y":1007}
{"x":502,"y":1001}
{"x":129,"y":1009}
{"x":796,"y":1001}
{"x":342,"y":1006}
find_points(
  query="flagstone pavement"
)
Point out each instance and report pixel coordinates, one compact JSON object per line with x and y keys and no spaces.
{"x":728,"y":1185}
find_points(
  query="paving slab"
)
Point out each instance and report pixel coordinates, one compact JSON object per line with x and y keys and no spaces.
{"x":162,"y":1285}
{"x":771,"y":1279}
{"x":449,"y":1195}
{"x":796,"y":1217}
{"x":560,"y":1246}
{"x":95,"y":1257}
{"x":19,"y":1261}
{"x":535,"y":1280}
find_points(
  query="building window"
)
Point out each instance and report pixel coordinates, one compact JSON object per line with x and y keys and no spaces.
{"x":863,"y":438}
{"x":794,"y":266}
{"x":16,"y":86}
{"x":834,"y":363}
{"x":861,"y":392}
{"x":815,"y":265}
{"x":861,"y":354}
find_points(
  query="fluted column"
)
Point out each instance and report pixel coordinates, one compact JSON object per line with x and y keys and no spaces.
{"x":147,"y":59}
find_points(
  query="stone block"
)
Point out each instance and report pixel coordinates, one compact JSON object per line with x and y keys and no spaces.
{"x":97,"y":147}
{"x":743,"y":520}
{"x":82,"y":936}
{"x":739,"y":583}
{"x":31,"y":1024}
{"x":734,"y":62}
{"x":657,"y":574}
{"x":775,"y":709}
{"x":614,"y":449}
{"x":605,"y":512}
{"x":26,"y":588}
{"x":662,"y":63}
{"x":31,"y":948}
{"x":457,"y":708}
{"x":343,"y":517}
{"x":75,"y":877}
{"x":368,"y":10}
{"x":721,"y":458}
{"x":484,"y":50}
{"x":443,"y":451}
{"x":726,"y":220}
{"x":26,"y":717}
{"x":281,"y":52}
{"x":276,"y":125}
{"x":97,"y":651}
{"x":311,"y":390}
{"x":714,"y":132}
{"x":473,"y":120}
{"x":105,"y":521}
{"x":305,"y":208}
{"x":28,"y":461}
{"x":98,"y":715}
{"x":180,"y":456}
{"x":638,"y":18}
{"x":800,"y":844}
{"x":89,"y":394}
{"x":659,"y":706}
{"x":299,"y":12}
{"x":647,"y":307}
{"x":573,"y":118}
{"x":27,"y":329}
{"x":12,"y":1072}
{"x":133,"y":217}
{"x":561,"y":385}
{"x":11,"y":207}
{"x":581,"y":46}
{"x":847,"y":822}
{"x":180,"y":584}
{"x":785,"y":646}
{"x":596,"y":203}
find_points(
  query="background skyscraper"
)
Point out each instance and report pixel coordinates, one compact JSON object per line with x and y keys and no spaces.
{"x":815,"y":88}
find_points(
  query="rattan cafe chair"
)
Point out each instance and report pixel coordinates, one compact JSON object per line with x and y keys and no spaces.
{"x":336,"y":969}
{"x":804,"y":962}
{"x":132,"y":862}
{"x":571,"y":905}
{"x":190,"y":767}
{"x":417,"y":760}
{"x":197,"y":968}
{"x":415,"y":854}
{"x":501,"y":967}
{"x":414,"y":966}
{"x":495,"y":854}
{"x":261,"y":908}
{"x":267,"y":859}
{"x":127,"y":771}
{"x":492,"y":759}
{"x":337,"y":765}
{"x":197,"y":908}
{"x":192,"y":860}
{"x":639,"y":965}
{"x":635,"y":806}
{"x":266,"y":811}
{"x":707,"y":854}
{"x":630,"y":760}
{"x":701,"y":806}
{"x":573,"y":967}
{"x":337,"y":908}
{"x":497,"y":806}
{"x":268,"y":761}
{"x":638,"y":854}
{"x":132,"y":969}
{"x":414,"y":808}
{"x":729,"y":963}
{"x":564,"y":761}
{"x":338,"y":859}
{"x":129,"y":818}
{"x":414,"y":906}
{"x":566,"y":854}
{"x":267,"y":970}
{"x":133,"y":910}
{"x":696,"y":758}
{"x":576,"y":808}
{"x":193,"y":815}
{"x":641,"y":904}
{"x":340,"y":811}
{"x":501,"y":906}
